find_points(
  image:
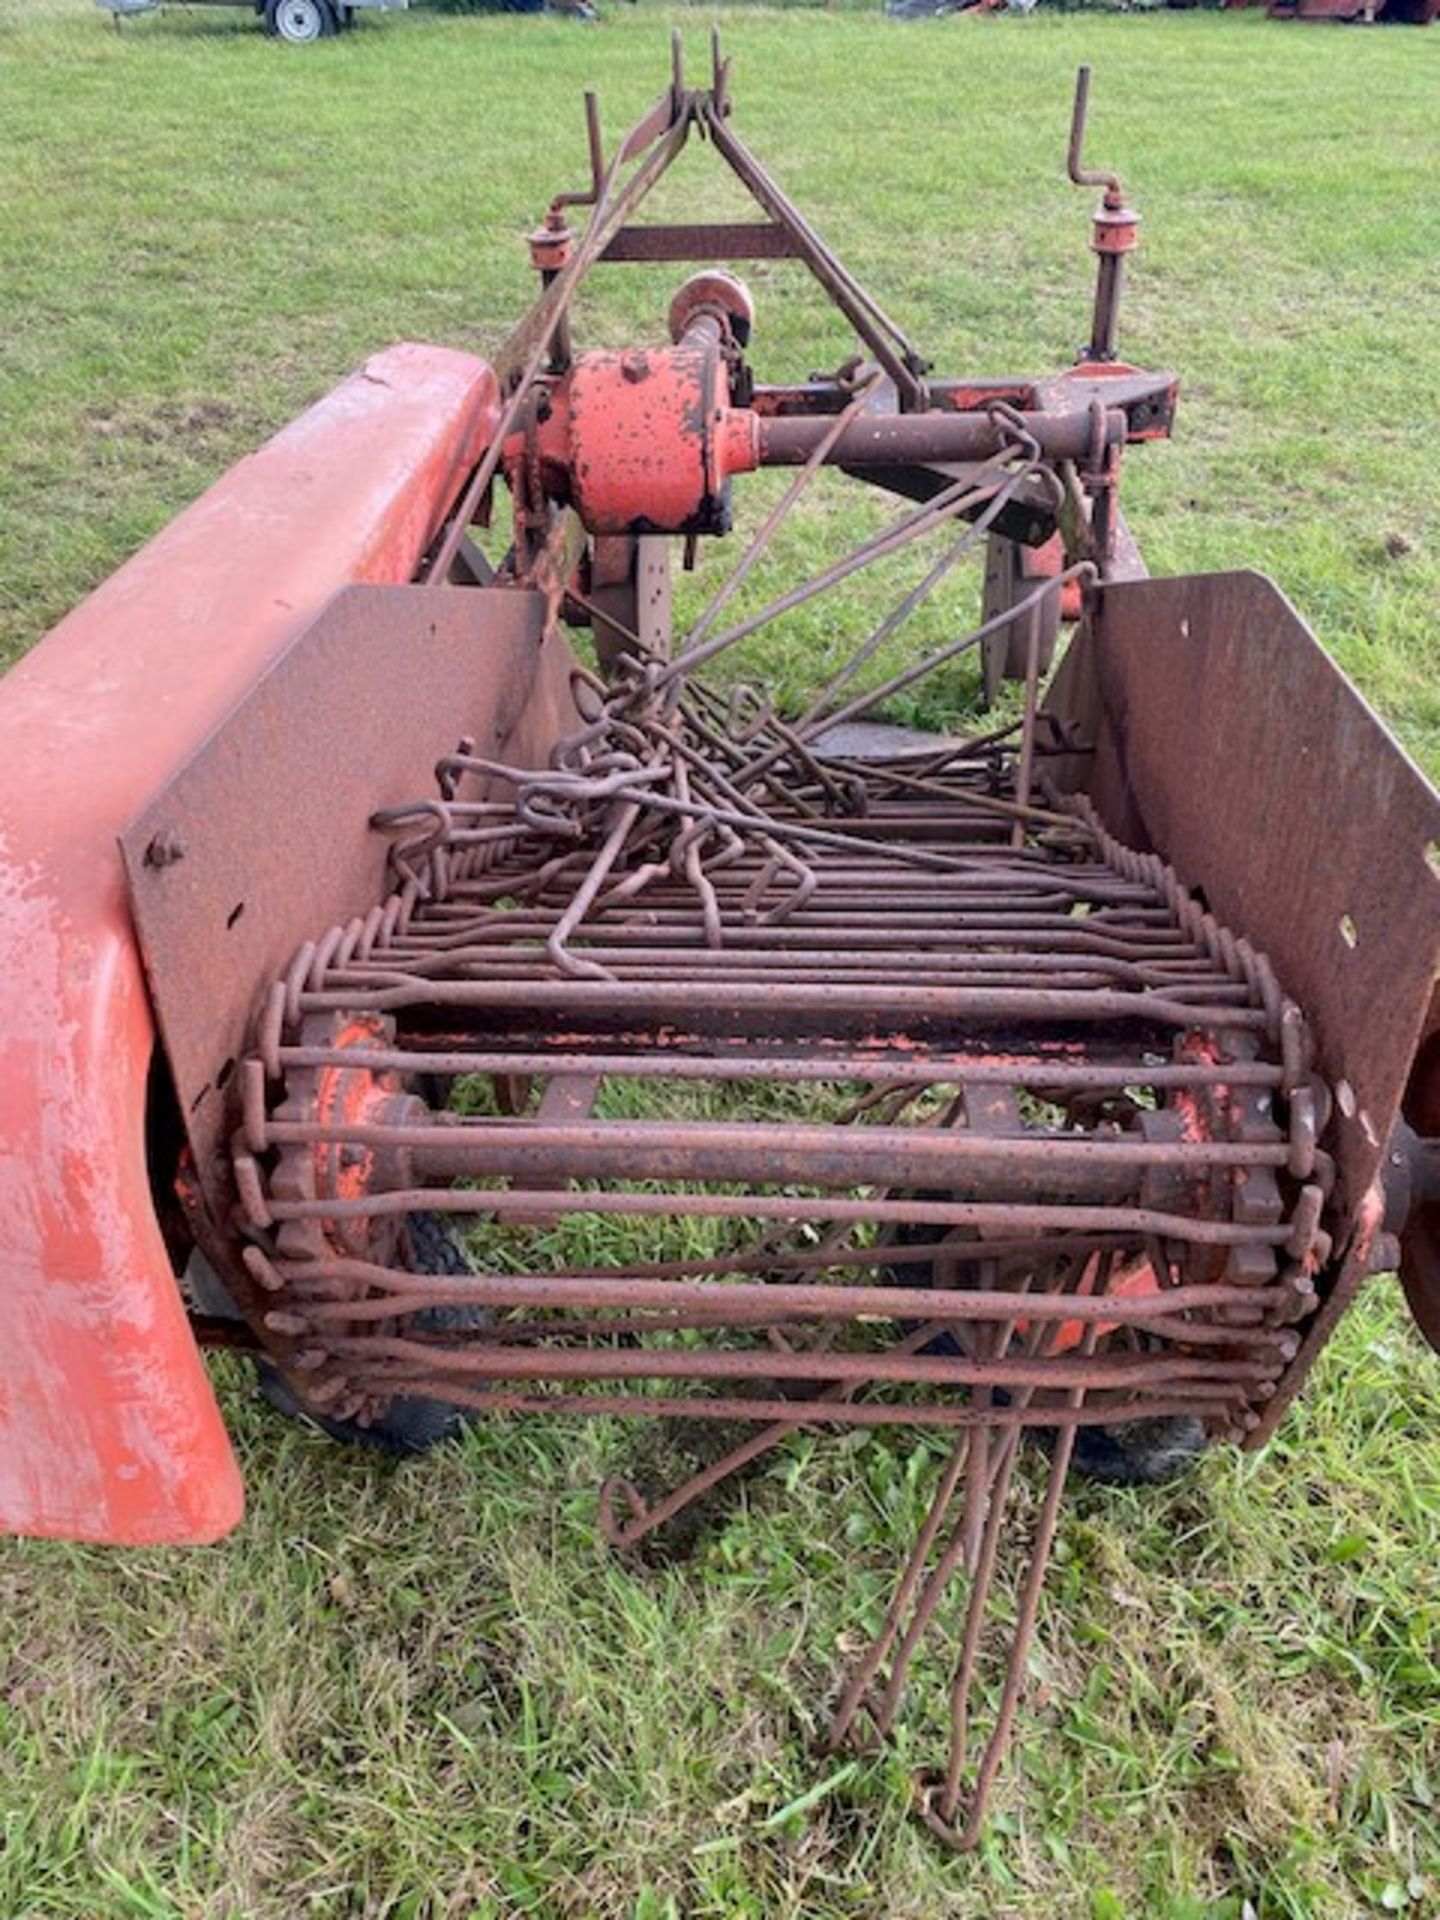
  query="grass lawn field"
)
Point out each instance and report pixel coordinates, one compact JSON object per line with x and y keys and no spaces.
{"x":427,"y":1691}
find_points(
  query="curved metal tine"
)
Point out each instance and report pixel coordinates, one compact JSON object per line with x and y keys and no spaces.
{"x":645,"y":1518}
{"x":992,"y":1486}
{"x":694,"y":868}
{"x":641,"y":652}
{"x":994,"y":1340}
{"x":857,"y":1693}
{"x":939,"y":1807}
{"x":864,"y":702}
{"x":999,"y":1465}
{"x":605,"y":858}
{"x":883,"y":774}
{"x":931,"y":762}
{"x":857,"y":1688}
{"x":1082,"y":569}
{"x":911,"y":853}
{"x":772,"y":523}
{"x":963,"y":1683}
{"x":914,"y":599}
{"x":908,"y":527}
{"x":1025,"y":772}
{"x":962,"y":1686}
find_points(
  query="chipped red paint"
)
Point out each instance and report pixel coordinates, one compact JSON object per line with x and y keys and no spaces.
{"x":1129,"y":1281}
{"x":108,"y":1428}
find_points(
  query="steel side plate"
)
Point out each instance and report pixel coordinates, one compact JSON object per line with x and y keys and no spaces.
{"x":262,"y":839}
{"x":1227,"y":739}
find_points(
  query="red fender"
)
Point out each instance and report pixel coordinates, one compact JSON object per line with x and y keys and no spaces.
{"x":108,"y":1426}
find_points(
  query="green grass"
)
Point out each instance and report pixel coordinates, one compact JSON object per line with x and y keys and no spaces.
{"x":426,"y":1690}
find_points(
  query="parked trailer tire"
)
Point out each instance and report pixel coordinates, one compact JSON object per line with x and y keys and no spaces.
{"x":300,"y":21}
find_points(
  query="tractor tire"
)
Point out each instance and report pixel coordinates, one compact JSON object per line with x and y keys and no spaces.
{"x":409,"y":1425}
{"x":300,"y":21}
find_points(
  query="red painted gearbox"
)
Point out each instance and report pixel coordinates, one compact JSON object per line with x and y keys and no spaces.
{"x":644,"y":441}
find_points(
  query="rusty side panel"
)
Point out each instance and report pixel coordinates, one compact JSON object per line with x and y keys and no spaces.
{"x":108,"y":1428}
{"x":1226,"y":738}
{"x":269,"y":821}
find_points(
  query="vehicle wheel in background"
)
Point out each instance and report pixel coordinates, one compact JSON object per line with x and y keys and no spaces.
{"x":300,"y":21}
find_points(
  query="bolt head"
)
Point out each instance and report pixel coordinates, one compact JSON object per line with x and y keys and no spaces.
{"x":165,"y":849}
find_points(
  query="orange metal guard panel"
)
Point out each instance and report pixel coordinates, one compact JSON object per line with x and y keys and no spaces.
{"x":108,"y":1427}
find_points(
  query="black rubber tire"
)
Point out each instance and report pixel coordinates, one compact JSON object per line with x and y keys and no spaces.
{"x":300,"y":22}
{"x":1141,"y":1453}
{"x":408,"y":1425}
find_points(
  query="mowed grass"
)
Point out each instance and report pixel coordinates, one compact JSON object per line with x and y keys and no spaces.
{"x":427,"y":1691}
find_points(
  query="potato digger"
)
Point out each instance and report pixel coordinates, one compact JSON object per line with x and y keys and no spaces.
{"x":432,"y":965}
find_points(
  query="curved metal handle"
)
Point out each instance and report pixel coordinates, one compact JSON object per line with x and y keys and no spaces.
{"x":1085,"y":176}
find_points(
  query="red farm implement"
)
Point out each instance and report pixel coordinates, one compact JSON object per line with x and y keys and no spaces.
{"x":372,"y":958}
{"x":1413,"y":13}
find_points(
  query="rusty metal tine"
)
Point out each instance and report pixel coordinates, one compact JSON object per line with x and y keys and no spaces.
{"x":985,"y":1493}
{"x":908,"y":604}
{"x":963,"y":1683}
{"x":910,"y":526}
{"x":977,"y":1484}
{"x":862,"y":703}
{"x":646,"y":1518}
{"x":998,"y":1466}
{"x":625,"y":818}
{"x":771,"y":524}
{"x":999,"y":1740}
{"x":884,"y":1711}
{"x":857,"y":1688}
{"x":998,"y":1744}
{"x":982,"y":1582}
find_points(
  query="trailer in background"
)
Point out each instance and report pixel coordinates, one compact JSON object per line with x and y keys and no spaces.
{"x":1417,"y":13}
{"x":298,"y":21}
